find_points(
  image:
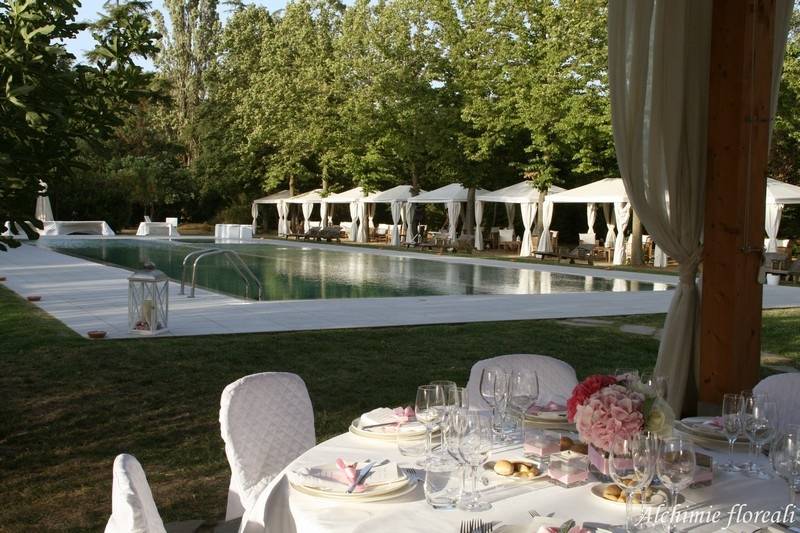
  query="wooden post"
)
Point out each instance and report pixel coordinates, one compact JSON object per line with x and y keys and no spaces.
{"x":636,"y":240}
{"x":738,"y":144}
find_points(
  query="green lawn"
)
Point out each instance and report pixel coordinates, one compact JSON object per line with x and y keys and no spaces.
{"x":69,"y":405}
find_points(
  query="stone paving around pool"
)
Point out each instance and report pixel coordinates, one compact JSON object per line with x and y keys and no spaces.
{"x":89,"y":296}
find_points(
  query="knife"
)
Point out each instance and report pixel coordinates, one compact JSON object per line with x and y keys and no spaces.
{"x":378,"y":425}
{"x":362,"y":474}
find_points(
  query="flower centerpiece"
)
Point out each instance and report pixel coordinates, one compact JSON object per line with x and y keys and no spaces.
{"x":605,"y":407}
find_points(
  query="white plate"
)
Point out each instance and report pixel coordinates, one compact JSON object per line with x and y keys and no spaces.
{"x":695,"y":426}
{"x":490,"y":467}
{"x":328,"y":480}
{"x":659,"y":497}
{"x":363,"y":497}
{"x":381,"y":435}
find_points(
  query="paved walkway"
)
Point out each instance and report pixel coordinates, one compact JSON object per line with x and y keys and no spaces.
{"x":87,"y":296}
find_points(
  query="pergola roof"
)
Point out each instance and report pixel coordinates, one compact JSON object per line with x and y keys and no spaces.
{"x":273,"y":198}
{"x":519,"y":193}
{"x":455,"y":192}
{"x":401,"y":193}
{"x":352,"y":195}
{"x":779,"y":192}
{"x":604,"y":191}
{"x":310,"y":197}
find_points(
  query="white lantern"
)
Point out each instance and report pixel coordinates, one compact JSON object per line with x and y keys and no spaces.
{"x":148,"y":301}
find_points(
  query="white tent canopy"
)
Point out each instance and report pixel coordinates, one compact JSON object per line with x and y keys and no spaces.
{"x":396,"y":197}
{"x":778,"y":194}
{"x":523,"y":193}
{"x":453,"y":196}
{"x":278,"y":200}
{"x":359,"y":213}
{"x":274,"y":198}
{"x":355,"y":194}
{"x":306,"y":201}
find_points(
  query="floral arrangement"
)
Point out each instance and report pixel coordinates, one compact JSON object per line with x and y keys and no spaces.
{"x":606,"y":407}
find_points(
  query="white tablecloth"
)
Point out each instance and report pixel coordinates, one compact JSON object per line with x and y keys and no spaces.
{"x":510,"y":500}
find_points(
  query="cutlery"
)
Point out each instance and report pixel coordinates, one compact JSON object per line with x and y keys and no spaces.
{"x":378,"y":425}
{"x":534,"y":513}
{"x":360,"y":476}
{"x":566,"y":526}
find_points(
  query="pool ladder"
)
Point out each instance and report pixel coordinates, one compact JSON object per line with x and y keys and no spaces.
{"x":235,"y":261}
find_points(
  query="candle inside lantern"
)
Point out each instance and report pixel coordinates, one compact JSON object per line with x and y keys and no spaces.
{"x":147,"y":312}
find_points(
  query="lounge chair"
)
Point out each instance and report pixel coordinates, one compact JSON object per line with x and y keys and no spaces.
{"x":583,"y":252}
{"x":312,"y":233}
{"x":330,"y":233}
{"x":506,"y":240}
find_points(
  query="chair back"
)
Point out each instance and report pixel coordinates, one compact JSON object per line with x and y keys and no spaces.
{"x":266,"y":421}
{"x":132,"y":507}
{"x":557,"y":379}
{"x":147,"y":219}
{"x":172,"y":220}
{"x":506,"y":235}
{"x":782,"y":389}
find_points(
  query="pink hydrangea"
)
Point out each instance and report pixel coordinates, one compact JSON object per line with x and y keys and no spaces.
{"x":612,"y":412}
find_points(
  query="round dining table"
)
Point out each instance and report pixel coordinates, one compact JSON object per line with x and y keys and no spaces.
{"x":728,"y":500}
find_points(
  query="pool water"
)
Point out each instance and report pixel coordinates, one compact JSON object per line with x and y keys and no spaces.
{"x":299,"y":273}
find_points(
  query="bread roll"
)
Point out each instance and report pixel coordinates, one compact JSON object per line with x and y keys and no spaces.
{"x":566,"y":443}
{"x":612,"y":492}
{"x":580,"y":447}
{"x":504,"y":468}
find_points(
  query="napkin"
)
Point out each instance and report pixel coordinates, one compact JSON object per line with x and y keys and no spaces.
{"x":338,"y":477}
{"x":545,"y":524}
{"x":713,"y":423}
{"x":550,"y":407}
{"x":401,"y":416}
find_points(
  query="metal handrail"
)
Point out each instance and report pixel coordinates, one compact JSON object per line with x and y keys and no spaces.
{"x":235,"y":261}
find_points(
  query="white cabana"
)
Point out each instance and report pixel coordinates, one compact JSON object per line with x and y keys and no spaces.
{"x":356,"y":198}
{"x":527,"y":196}
{"x":604,"y":191}
{"x":306,"y":201}
{"x":396,"y":197}
{"x":452,"y":196}
{"x":778,"y":194}
{"x":277,"y":199}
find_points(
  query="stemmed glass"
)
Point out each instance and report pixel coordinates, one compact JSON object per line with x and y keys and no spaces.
{"x":749,"y":400}
{"x":657,"y":383}
{"x":676,"y":465}
{"x":457,"y":405}
{"x":732,"y":425}
{"x":631,"y":467}
{"x":494,"y":390}
{"x":448,"y":390}
{"x":761,"y":426}
{"x":626,"y":373}
{"x":523,"y":392}
{"x":785,"y":457}
{"x":428,"y":409}
{"x":474,"y":446}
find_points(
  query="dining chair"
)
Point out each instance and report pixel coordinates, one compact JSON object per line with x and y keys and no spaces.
{"x":782,"y":389}
{"x":557,"y":379}
{"x":132,"y":507}
{"x":271,"y":512}
{"x":266,"y":421}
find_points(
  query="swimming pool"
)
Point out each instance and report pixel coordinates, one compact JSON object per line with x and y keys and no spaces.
{"x":301,"y":273}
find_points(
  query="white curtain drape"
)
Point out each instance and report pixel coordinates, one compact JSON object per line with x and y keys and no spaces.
{"x":610,"y":225}
{"x":591,"y":216}
{"x":307,"y":209}
{"x":253,"y":211}
{"x":545,"y":246}
{"x":397,"y":212}
{"x":622,"y":213}
{"x":371,"y":214}
{"x":478,"y":220}
{"x":354,"y":221}
{"x":772,"y":222}
{"x":511,"y":211}
{"x":323,"y":214}
{"x":283,"y":207}
{"x":453,"y":210}
{"x":363,"y":222}
{"x":658,"y":78}
{"x":528,"y":210}
{"x":409,"y":222}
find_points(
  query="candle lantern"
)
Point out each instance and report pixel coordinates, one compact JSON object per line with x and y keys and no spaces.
{"x":148,"y":301}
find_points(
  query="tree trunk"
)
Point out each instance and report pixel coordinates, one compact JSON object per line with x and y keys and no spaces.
{"x":636,"y":240}
{"x":539,"y":222}
{"x":469,"y":220}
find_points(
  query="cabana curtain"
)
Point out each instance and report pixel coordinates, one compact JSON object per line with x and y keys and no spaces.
{"x":610,"y":225}
{"x":307,"y":209}
{"x":545,"y":246}
{"x":591,"y":216}
{"x":772,"y":222}
{"x":478,"y":220}
{"x":353,"y":221}
{"x":397,"y":211}
{"x":622,"y":213}
{"x":453,"y":210}
{"x":528,"y":210}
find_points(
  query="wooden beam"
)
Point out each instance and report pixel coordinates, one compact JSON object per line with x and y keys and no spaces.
{"x":738,"y":144}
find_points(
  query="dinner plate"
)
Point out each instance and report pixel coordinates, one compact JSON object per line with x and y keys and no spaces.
{"x":695,"y":426}
{"x":660,"y":496}
{"x":329,"y":487}
{"x":382,"y":435}
{"x":407,"y":487}
{"x":490,"y":467}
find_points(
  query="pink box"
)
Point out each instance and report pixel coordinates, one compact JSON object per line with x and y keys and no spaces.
{"x":568,"y":468}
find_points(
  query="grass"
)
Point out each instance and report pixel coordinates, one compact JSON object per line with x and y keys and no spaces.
{"x":69,"y":405}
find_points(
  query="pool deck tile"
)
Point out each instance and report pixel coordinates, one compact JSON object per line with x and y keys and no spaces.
{"x":87,"y":296}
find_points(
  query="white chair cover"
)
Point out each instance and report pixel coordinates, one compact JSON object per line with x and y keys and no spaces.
{"x":132,"y":507}
{"x":783,"y":390}
{"x":271,"y":513}
{"x":556,"y":378}
{"x":478,"y":219}
{"x":266,"y":421}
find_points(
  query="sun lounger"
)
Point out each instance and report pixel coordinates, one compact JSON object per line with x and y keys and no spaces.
{"x":582,"y":252}
{"x":330,"y":233}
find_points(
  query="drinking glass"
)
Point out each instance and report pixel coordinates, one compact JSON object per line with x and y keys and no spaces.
{"x":494,"y":389}
{"x":761,"y":428}
{"x":442,"y":484}
{"x":657,"y":383}
{"x":785,"y":457}
{"x":626,"y":373}
{"x":749,"y":400}
{"x":474,"y":446}
{"x":630,"y":465}
{"x":448,"y":389}
{"x":676,"y":465}
{"x":428,"y":409}
{"x":410,"y":446}
{"x":523,"y":392}
{"x":732,"y":425}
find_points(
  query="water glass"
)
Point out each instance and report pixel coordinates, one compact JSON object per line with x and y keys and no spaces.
{"x":749,"y":400}
{"x":428,"y":408}
{"x":676,"y":466}
{"x":523,"y":391}
{"x":494,"y":390}
{"x":657,"y":383}
{"x":761,"y":427}
{"x":630,"y":465}
{"x":448,"y":389}
{"x":443,"y":484}
{"x":410,"y":445}
{"x":474,"y":448}
{"x":784,"y":455}
{"x":732,"y":425}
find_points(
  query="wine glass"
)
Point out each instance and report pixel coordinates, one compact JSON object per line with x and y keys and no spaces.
{"x":631,"y":467}
{"x":457,"y":402}
{"x":749,"y":401}
{"x":761,"y":427}
{"x":448,"y":387}
{"x":785,"y":457}
{"x":732,"y":425}
{"x":657,"y":383}
{"x":474,"y":447}
{"x":676,"y":465}
{"x":626,"y":374}
{"x":494,"y":389}
{"x":428,"y":409}
{"x":523,"y":392}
